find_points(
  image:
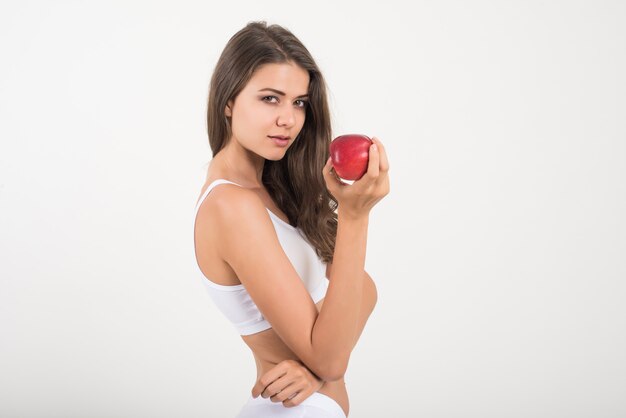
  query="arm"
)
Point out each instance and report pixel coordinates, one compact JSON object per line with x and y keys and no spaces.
{"x":294,"y":375}
{"x":368,"y":302}
{"x":288,"y":371}
{"x":322,"y":341}
{"x":251,"y":247}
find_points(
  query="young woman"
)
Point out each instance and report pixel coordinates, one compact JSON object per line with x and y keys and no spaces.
{"x":279,"y":239}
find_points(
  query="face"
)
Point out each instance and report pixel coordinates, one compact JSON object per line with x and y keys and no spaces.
{"x":273,"y":103}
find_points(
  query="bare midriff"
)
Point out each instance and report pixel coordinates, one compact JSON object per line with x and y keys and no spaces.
{"x":269,"y":350}
{"x":267,"y":347}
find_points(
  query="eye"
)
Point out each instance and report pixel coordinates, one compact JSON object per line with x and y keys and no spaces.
{"x":299,"y":103}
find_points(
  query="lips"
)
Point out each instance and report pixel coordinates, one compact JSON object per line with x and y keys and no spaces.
{"x":281,"y":141}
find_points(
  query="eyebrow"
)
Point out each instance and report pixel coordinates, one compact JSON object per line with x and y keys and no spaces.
{"x":282,"y":93}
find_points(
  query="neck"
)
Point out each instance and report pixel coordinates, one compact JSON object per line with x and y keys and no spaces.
{"x":240,"y":165}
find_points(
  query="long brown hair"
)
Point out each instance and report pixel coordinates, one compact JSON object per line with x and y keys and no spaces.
{"x":295,"y":182}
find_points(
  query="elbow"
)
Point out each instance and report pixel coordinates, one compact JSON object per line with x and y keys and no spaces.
{"x":333,"y":375}
{"x":332,"y":371}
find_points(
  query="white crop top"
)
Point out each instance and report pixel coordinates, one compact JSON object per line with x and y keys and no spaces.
{"x":235,"y":301}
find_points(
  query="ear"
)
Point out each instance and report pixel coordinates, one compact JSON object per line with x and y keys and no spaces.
{"x":227,"y":110}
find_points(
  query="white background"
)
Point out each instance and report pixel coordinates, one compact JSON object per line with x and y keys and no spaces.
{"x":499,"y":255}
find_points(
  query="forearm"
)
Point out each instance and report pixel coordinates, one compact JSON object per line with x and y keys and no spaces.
{"x":370,"y":297}
{"x":338,"y":324}
{"x":368,"y":302}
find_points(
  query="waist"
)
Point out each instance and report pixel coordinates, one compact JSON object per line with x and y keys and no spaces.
{"x":335,"y":389}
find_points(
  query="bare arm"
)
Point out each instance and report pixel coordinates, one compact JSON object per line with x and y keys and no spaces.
{"x":370,"y":297}
{"x":324,"y":340}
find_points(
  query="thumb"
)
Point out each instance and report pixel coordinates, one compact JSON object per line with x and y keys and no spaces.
{"x":329,"y":164}
{"x":332,"y":181}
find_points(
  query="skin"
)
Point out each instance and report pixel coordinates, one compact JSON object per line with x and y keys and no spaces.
{"x":254,"y":116}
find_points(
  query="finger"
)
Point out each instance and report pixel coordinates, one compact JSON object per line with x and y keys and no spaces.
{"x":278,"y":386}
{"x":329,"y":163}
{"x":287,"y":392}
{"x":374,"y":161}
{"x":382,"y":152}
{"x":332,"y":181}
{"x":297,"y":400}
{"x":292,"y":371}
{"x":267,"y":379}
{"x":327,"y":166}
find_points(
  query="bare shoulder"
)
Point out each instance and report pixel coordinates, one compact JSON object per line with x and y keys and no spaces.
{"x":235,"y":207}
{"x":237,"y":216}
{"x":228,"y":191}
{"x":225,"y":199}
{"x":220,"y":215}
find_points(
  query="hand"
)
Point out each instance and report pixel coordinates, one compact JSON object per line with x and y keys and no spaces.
{"x":358,"y":198}
{"x":289,"y":382}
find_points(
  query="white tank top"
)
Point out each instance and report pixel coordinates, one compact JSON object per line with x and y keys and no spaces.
{"x":235,"y":301}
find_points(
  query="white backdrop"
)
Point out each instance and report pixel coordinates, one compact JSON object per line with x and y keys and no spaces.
{"x":499,"y":254}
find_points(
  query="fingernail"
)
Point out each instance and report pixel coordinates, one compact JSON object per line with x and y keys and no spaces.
{"x":374,"y":147}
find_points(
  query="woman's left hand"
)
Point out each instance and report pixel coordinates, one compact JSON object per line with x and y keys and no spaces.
{"x":289,"y":382}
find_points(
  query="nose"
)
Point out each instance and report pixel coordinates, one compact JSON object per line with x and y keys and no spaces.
{"x":286,"y":117}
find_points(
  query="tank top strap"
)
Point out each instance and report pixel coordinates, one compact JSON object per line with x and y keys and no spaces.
{"x":210,"y":187}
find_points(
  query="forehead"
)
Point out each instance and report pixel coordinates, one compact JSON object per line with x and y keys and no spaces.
{"x":290,"y":78}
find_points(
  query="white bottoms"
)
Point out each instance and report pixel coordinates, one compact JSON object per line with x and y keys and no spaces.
{"x":317,"y":405}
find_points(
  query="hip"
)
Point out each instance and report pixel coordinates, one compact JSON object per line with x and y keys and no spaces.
{"x":318,"y":405}
{"x":335,"y":390}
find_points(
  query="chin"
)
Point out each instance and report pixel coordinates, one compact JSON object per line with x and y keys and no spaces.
{"x":277,"y":156}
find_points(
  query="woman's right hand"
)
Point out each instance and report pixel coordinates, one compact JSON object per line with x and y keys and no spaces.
{"x":357,"y":199}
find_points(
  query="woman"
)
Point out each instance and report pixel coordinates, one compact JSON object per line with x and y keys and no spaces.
{"x":279,"y":238}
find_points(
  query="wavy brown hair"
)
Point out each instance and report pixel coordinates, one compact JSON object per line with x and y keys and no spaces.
{"x":295,"y":182}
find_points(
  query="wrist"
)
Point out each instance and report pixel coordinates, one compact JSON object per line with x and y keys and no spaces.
{"x":348,"y":216}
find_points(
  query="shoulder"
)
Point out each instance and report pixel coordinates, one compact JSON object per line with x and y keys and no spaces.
{"x":224,"y":197}
{"x":230,"y":202}
{"x":235,"y":210}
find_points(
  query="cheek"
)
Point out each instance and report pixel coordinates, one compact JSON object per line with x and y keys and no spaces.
{"x":302,"y":119}
{"x":258,"y":115}
{"x":248,"y":118}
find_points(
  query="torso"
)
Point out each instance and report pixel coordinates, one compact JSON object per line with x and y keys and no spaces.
{"x":267,"y":348}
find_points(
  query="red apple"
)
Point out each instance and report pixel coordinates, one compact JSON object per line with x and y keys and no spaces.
{"x":350,"y":155}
